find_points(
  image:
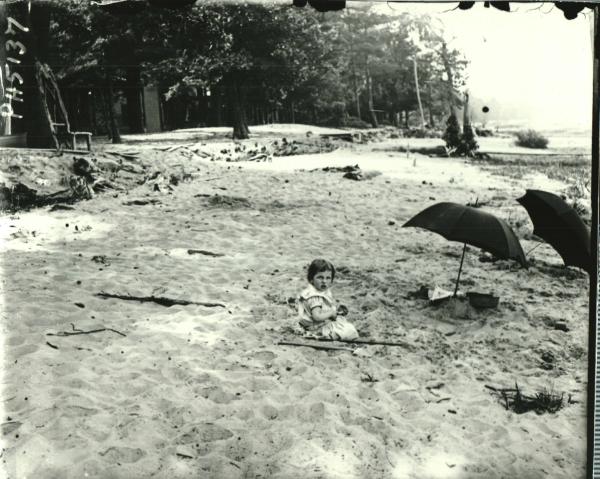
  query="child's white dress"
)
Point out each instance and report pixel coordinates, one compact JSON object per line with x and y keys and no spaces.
{"x":339,"y":328}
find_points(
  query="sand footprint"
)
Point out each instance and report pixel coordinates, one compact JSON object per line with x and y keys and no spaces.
{"x":122,"y":454}
{"x":263,"y":356}
{"x":269,"y":412}
{"x":206,"y":432}
{"x":216,"y":394}
{"x":313,"y":412}
{"x":19,"y":351}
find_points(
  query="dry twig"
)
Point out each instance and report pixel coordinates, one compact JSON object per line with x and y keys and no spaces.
{"x":315,"y":346}
{"x":168,"y":302}
{"x":204,"y":252}
{"x":78,"y":332}
{"x":369,"y":342}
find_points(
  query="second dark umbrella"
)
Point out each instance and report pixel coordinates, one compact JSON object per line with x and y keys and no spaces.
{"x":560,"y":226}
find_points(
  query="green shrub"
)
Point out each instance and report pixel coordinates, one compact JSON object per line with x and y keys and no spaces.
{"x":531,"y":139}
{"x":354,"y":122}
{"x":334,"y":114}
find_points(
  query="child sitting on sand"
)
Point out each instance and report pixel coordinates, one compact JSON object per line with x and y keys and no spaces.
{"x":318,"y":314}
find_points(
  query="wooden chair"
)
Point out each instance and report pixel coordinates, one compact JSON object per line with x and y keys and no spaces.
{"x":56,"y":113}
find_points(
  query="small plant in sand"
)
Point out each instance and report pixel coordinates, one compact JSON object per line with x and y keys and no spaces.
{"x":531,"y":139}
{"x":543,"y":401}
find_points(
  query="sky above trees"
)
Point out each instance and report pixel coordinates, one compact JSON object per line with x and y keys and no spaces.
{"x":532,"y":61}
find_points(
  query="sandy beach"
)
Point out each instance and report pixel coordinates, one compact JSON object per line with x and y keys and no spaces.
{"x":204,"y":390}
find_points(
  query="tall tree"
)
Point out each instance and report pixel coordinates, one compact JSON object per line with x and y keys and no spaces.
{"x":258,"y":61}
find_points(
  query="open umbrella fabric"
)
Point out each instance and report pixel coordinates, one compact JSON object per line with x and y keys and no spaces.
{"x":560,"y":226}
{"x":465,"y":224}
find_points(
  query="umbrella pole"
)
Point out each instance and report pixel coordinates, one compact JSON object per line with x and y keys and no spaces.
{"x":462,"y":258}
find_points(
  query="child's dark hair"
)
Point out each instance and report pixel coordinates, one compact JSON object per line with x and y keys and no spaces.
{"x":318,"y":266}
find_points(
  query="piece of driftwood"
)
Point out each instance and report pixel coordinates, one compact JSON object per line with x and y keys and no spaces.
{"x":59,"y":206}
{"x":51,"y":345}
{"x":314,"y":346}
{"x":368,"y":342}
{"x":77,"y":332}
{"x":141,"y":202}
{"x":185,"y":456}
{"x":168,"y":302}
{"x":495,"y":389}
{"x":204,"y":252}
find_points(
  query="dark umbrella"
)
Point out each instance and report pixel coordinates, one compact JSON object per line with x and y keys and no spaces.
{"x":560,"y":225}
{"x":472,"y":226}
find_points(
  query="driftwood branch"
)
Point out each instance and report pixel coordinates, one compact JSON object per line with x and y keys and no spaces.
{"x":314,"y":346}
{"x":204,"y":252}
{"x":369,"y":342}
{"x":492,"y":388}
{"x":168,"y":302}
{"x":77,"y":332}
{"x":185,"y":456}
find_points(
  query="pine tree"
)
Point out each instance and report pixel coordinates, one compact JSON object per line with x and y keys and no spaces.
{"x":452,"y":135}
{"x":468,"y":143}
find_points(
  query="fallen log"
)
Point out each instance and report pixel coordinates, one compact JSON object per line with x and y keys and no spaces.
{"x":168,"y":302}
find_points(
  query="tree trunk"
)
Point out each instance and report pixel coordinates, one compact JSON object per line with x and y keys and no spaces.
{"x":430,"y":107}
{"x":466,"y":119}
{"x":418,"y":92}
{"x":218,"y":106}
{"x":240,"y":124}
{"x":450,"y":78}
{"x":355,"y":91}
{"x":370,"y":93}
{"x":104,"y":113}
{"x":92,"y":112}
{"x":112,"y":114}
{"x":135,"y":114}
{"x":32,"y":29}
{"x":355,"y":84}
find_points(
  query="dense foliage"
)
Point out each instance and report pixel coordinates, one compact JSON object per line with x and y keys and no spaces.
{"x":237,"y":64}
{"x":531,"y":139}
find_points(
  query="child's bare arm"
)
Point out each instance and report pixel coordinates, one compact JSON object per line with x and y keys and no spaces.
{"x":321,"y":314}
